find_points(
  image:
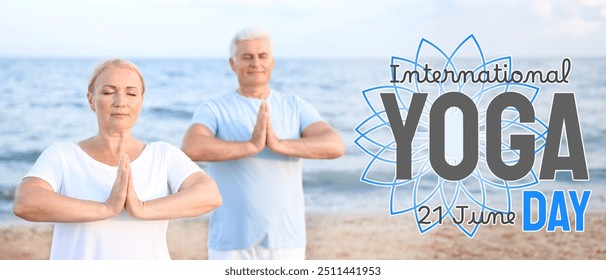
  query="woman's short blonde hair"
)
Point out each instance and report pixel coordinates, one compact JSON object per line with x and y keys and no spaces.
{"x":114,"y":62}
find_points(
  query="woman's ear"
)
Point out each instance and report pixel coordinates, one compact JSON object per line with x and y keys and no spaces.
{"x":89,"y":96}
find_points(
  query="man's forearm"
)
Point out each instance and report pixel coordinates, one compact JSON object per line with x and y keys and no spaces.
{"x":212,"y":149}
{"x":327,"y":145}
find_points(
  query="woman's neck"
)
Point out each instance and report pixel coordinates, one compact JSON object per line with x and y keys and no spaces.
{"x":115,"y":143}
{"x":108,"y":148}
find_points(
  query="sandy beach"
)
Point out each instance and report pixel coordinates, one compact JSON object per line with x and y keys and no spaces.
{"x":364,"y":236}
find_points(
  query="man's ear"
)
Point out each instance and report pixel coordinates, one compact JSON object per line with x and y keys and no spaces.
{"x":232,"y":64}
{"x":89,"y":96}
{"x":273,"y":63}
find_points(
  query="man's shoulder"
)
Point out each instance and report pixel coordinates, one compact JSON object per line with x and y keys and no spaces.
{"x":288,"y":97}
{"x":226,"y":96}
{"x":218,"y":101}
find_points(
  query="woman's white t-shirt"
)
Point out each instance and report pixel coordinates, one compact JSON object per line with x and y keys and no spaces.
{"x":159,"y":171}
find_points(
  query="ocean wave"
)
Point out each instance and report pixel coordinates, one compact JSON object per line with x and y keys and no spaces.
{"x":332,"y":179}
{"x":57,"y":105}
{"x":167,"y":112}
{"x":27,"y":157}
{"x":176,"y":74}
{"x":7,"y":194}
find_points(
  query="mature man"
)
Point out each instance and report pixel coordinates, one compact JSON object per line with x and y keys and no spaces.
{"x":255,"y":138}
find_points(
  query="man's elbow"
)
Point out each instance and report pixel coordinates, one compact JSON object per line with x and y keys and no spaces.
{"x":189,"y":150}
{"x":339,"y":150}
{"x":336,"y":150}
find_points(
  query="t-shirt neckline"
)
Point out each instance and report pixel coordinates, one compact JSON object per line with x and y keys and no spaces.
{"x":107,"y":165}
{"x":271,"y":93}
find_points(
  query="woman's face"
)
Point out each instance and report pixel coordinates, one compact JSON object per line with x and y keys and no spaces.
{"x":116,"y":99}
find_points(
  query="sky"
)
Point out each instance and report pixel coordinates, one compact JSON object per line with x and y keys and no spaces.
{"x":299,"y":29}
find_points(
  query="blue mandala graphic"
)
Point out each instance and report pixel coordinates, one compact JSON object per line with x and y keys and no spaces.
{"x":481,"y":191}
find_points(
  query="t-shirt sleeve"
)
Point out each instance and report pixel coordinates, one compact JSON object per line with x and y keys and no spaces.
{"x":307,"y":114}
{"x":48,"y":167}
{"x":180,"y":167}
{"x":204,"y":115}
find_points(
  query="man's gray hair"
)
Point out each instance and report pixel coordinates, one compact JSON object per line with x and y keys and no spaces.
{"x":248,"y":34}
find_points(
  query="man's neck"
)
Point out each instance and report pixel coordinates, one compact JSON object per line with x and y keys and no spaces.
{"x":259,"y":92}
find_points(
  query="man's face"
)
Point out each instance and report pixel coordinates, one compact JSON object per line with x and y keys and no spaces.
{"x":254,"y":63}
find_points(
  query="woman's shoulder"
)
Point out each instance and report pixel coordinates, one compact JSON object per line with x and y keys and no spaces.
{"x":161,"y":150}
{"x":62,"y":146}
{"x":161,"y":146}
{"x":59,"y":150}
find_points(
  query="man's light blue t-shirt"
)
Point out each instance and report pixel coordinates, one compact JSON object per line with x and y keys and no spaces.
{"x":262,"y":195}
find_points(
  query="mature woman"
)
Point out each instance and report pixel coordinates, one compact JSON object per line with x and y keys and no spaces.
{"x":111,"y":195}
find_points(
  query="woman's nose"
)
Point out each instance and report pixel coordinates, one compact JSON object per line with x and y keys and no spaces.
{"x":119,"y":99}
